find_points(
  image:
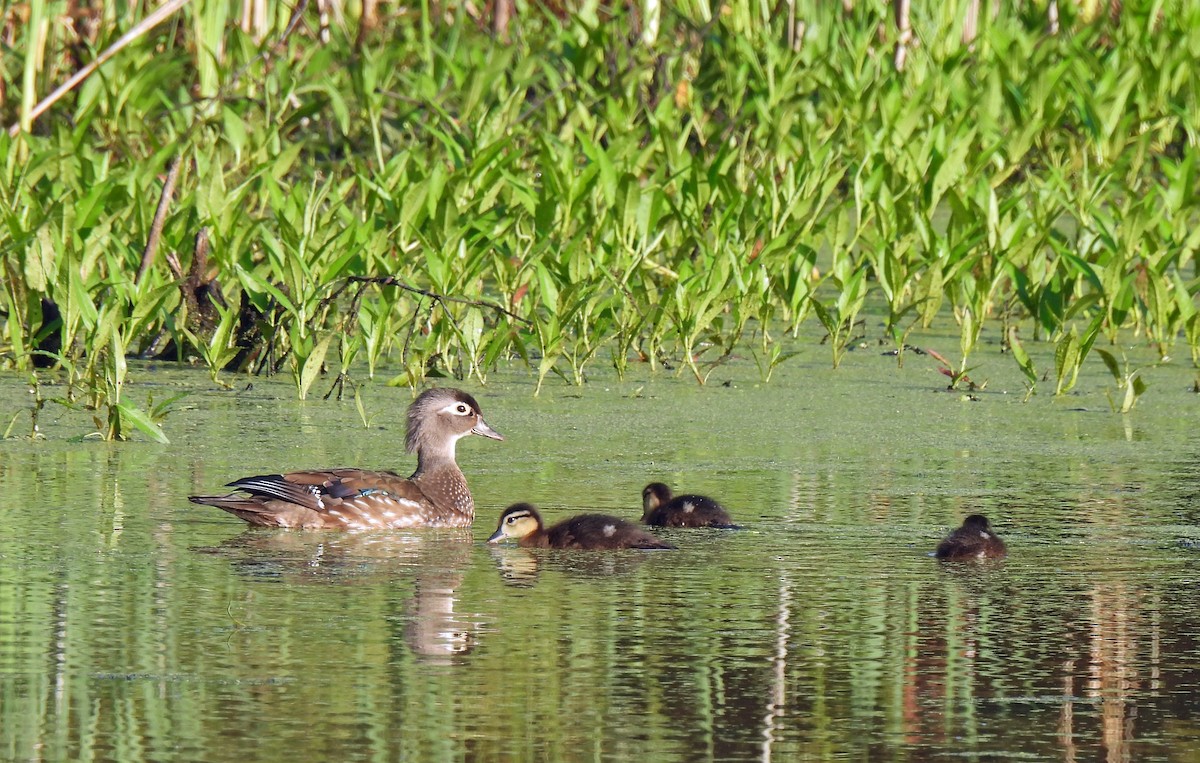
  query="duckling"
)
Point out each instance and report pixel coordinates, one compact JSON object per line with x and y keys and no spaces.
{"x":436,"y":495}
{"x":974,"y":540}
{"x":586,"y":531}
{"x":660,"y":509}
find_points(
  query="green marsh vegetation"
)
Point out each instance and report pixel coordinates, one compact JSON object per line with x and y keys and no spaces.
{"x":428,"y":190}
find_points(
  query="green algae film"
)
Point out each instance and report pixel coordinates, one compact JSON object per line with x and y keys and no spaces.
{"x":137,"y":626}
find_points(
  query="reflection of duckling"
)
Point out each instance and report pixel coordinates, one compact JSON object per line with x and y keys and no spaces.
{"x":517,"y":566}
{"x":586,"y":531}
{"x":436,"y":494}
{"x":663,"y":510}
{"x":974,"y":540}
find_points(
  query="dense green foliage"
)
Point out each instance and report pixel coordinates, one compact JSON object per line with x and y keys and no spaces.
{"x":586,"y":196}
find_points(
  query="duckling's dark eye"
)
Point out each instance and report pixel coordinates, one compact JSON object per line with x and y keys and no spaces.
{"x":461,"y":408}
{"x":511,"y":519}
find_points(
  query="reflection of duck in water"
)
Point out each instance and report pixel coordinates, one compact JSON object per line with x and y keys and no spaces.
{"x":586,"y":531}
{"x":434,"y":560}
{"x":436,"y":494}
{"x":517,"y":566}
{"x":661,"y":509}
{"x":521,"y":567}
{"x":433,"y":628}
{"x":974,"y":540}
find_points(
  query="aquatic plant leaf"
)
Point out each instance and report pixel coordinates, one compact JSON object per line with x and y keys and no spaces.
{"x":139,"y":419}
{"x":40,"y":266}
{"x":312,"y":366}
{"x":1022,"y":357}
{"x":1110,"y":362}
{"x":1066,"y":361}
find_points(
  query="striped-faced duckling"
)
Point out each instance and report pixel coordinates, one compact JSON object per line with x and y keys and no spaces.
{"x":586,"y":531}
{"x":661,"y":509}
{"x":436,"y":494}
{"x":974,"y":540}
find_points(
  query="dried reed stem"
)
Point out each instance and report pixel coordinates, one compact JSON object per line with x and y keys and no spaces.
{"x":905,"y":30}
{"x":160,"y":218}
{"x":159,"y":15}
{"x":971,"y":24}
{"x":367,"y":23}
{"x":651,"y":19}
{"x":501,"y":14}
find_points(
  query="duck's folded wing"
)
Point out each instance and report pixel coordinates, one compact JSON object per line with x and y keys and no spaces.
{"x":322,"y":489}
{"x":337,"y":498}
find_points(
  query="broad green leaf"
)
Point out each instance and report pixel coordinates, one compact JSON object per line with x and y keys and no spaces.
{"x":312,"y":365}
{"x":235,"y":130}
{"x":1066,"y":361}
{"x":1110,"y":362}
{"x":139,"y":419}
{"x":41,"y":267}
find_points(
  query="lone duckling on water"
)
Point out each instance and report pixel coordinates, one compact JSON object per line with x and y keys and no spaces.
{"x":586,"y":531}
{"x":436,"y":495}
{"x":660,"y":509}
{"x":974,"y":540}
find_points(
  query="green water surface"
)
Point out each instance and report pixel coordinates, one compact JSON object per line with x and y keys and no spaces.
{"x":137,"y":626}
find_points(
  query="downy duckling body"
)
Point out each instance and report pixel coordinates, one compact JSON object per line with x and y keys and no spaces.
{"x":974,"y":540}
{"x":661,"y":509}
{"x":586,"y":531}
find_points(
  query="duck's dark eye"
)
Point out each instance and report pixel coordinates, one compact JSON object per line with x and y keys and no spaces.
{"x":461,"y":408}
{"x":511,"y":519}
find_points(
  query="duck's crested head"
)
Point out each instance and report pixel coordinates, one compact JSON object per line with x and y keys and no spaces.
{"x":976,"y":522}
{"x":654,"y":495}
{"x":441,"y":416}
{"x":517,"y":521}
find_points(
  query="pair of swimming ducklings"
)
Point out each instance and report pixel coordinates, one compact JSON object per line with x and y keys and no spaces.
{"x":601,"y":531}
{"x":436,"y":495}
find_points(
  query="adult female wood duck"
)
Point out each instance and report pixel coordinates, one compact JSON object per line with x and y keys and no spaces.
{"x":974,"y":540}
{"x":436,"y":494}
{"x":660,"y":509}
{"x":586,"y":531}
